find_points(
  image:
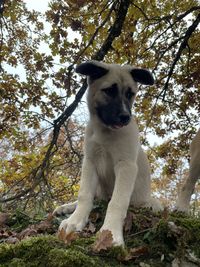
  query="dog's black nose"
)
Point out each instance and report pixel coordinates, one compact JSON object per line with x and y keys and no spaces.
{"x":124,"y":118}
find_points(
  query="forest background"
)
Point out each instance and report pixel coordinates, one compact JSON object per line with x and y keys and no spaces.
{"x":42,"y":100}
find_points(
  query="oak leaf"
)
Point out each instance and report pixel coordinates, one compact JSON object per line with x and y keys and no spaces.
{"x":67,"y":238}
{"x":104,"y":241}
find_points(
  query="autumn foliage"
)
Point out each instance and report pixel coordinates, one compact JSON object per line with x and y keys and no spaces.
{"x":41,"y":97}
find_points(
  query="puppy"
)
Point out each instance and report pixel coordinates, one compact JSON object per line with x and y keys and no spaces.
{"x":183,"y":201}
{"x":114,"y":167}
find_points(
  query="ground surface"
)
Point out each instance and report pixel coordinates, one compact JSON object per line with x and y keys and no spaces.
{"x":162,"y":239}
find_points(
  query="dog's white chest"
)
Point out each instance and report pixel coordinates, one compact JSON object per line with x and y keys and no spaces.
{"x":104,"y":168}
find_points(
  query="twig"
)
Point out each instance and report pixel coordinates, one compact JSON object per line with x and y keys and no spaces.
{"x":140,"y":232}
{"x":39,"y":173}
{"x":183,"y":45}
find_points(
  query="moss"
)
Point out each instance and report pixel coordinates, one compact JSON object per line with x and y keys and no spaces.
{"x":49,"y":251}
{"x":148,"y":229}
{"x":70,"y":257}
{"x":29,"y":251}
{"x":83,"y":242}
{"x":191,"y":232}
{"x":15,"y":263}
{"x":161,"y":242}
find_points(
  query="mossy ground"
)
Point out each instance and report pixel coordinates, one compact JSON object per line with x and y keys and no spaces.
{"x":164,"y":237}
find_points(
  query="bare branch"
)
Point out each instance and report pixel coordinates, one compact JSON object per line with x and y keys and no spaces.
{"x":183,"y":45}
{"x":95,"y":33}
{"x":39,"y":173}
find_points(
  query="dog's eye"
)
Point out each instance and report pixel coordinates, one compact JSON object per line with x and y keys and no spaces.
{"x":110,"y":91}
{"x":129,"y":94}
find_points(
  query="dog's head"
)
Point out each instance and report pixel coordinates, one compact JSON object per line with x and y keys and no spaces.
{"x":112,"y":90}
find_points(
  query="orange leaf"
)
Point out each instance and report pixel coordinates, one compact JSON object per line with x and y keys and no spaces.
{"x":67,"y":238}
{"x":104,"y":241}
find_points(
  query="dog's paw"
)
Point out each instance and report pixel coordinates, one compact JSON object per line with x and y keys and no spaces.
{"x":74,"y":223}
{"x":65,"y":209}
{"x":117,"y":235}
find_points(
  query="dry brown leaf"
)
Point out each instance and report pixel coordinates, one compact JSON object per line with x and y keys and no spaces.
{"x":3,"y":218}
{"x":104,"y":241}
{"x":136,"y":252}
{"x":29,"y":231}
{"x":5,"y":233}
{"x":67,"y":238}
{"x":43,"y":226}
{"x":61,"y":234}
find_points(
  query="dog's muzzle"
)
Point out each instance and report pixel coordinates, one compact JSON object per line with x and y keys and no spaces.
{"x":124,"y":119}
{"x":114,"y":115}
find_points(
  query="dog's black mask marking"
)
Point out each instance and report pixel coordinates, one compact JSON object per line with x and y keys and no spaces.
{"x":113,"y":113}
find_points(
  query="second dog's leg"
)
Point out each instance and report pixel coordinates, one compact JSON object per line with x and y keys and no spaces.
{"x":78,"y":220}
{"x":183,"y":202}
{"x":125,"y":172}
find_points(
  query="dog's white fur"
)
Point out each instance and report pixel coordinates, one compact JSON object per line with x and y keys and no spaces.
{"x":183,"y":201}
{"x":114,"y":165}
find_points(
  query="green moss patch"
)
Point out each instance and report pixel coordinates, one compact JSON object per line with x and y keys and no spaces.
{"x":151,"y":239}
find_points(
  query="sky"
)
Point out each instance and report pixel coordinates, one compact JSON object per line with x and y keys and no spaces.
{"x":38,"y":5}
{"x":42,"y":6}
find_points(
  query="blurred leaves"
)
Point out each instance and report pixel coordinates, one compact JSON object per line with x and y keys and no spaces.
{"x":38,"y":53}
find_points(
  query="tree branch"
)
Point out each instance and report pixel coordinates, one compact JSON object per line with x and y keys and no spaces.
{"x":115,"y":31}
{"x":183,"y":45}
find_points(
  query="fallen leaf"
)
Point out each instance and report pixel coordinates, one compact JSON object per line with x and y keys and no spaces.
{"x":43,"y":226}
{"x":5,"y":233}
{"x":3,"y":218}
{"x":30,"y":231}
{"x":61,"y":234}
{"x":67,"y":238}
{"x":136,"y":252}
{"x":104,"y":241}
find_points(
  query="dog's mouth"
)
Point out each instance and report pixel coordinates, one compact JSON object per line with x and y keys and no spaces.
{"x":117,"y":126}
{"x":113,"y":121}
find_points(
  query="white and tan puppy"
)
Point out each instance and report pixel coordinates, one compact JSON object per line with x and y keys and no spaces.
{"x":114,"y":167}
{"x":183,"y":202}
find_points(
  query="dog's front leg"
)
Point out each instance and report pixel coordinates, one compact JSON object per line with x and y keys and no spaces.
{"x":78,"y":220}
{"x":125,"y":172}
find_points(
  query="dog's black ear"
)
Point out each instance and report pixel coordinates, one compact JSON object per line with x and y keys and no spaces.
{"x":142,"y":76}
{"x":91,"y":69}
